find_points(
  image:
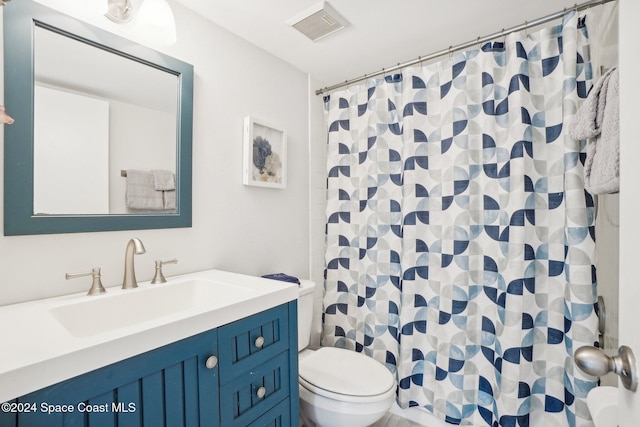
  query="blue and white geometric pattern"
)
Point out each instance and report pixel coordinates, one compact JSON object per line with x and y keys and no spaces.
{"x":460,"y":239}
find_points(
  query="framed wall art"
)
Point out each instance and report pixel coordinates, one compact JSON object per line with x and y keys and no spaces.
{"x":265,"y":154}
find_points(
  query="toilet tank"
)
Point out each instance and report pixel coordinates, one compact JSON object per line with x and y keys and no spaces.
{"x":305,"y":312}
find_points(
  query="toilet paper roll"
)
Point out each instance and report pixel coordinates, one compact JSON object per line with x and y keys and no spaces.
{"x":603,"y":406}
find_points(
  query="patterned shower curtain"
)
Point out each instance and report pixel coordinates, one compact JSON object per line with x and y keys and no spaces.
{"x":460,"y":239}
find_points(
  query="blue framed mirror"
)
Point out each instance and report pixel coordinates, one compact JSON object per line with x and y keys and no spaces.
{"x":102,"y":138}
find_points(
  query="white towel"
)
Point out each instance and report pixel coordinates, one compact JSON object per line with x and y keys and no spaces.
{"x":164,"y":180}
{"x":169,"y":200}
{"x":141,"y":192}
{"x":597,"y":120}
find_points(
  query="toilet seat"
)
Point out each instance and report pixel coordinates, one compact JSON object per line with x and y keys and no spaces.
{"x":346,"y":376}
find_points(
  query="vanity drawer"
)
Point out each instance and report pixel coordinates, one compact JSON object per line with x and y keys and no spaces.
{"x":278,"y":416}
{"x":249,"y":342}
{"x":254,"y":393}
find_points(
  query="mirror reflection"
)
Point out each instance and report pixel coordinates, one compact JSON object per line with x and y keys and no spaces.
{"x":105,"y":131}
{"x":90,"y":106}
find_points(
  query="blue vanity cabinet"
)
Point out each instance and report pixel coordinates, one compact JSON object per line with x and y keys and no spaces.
{"x":251,"y":380}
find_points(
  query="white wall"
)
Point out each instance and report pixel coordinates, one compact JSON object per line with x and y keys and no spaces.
{"x":237,"y":228}
{"x":318,"y":200}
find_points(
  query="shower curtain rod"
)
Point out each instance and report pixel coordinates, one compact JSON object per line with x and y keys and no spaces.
{"x":462,"y":46}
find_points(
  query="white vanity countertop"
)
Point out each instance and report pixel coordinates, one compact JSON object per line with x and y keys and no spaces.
{"x":37,"y":350}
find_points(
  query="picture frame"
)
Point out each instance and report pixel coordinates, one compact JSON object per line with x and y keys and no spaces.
{"x":264,"y":154}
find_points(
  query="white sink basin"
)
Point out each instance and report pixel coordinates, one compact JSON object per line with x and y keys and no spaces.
{"x":125,"y":308}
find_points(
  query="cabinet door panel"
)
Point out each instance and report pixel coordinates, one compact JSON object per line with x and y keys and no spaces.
{"x":168,"y":386}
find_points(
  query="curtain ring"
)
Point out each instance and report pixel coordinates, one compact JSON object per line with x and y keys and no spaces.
{"x":478,"y":43}
{"x":450,"y":52}
{"x":395,"y":71}
{"x":526,"y":28}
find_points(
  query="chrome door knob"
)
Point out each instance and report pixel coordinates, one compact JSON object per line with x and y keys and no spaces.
{"x":595,"y":362}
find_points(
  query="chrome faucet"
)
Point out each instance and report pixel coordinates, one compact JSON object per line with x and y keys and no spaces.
{"x":134,"y":247}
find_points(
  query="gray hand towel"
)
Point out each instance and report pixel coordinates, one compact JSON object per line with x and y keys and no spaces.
{"x":597,"y":120}
{"x":141,"y":192}
{"x":169,"y":200}
{"x":164,"y":180}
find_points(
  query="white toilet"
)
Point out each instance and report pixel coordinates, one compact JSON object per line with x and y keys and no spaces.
{"x":338,"y":387}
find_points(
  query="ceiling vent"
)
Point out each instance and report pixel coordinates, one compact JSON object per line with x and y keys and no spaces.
{"x":318,"y":21}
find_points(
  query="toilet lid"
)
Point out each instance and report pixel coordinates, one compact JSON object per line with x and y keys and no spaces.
{"x":345,"y":372}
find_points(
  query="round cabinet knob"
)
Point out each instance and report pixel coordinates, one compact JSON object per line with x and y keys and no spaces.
{"x":259,"y":342}
{"x":261,"y":392}
{"x":211,"y":362}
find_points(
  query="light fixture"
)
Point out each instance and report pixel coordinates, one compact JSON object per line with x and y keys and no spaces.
{"x":154,"y":23}
{"x":119,"y":11}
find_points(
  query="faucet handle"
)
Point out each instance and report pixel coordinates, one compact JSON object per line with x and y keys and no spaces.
{"x":96,"y":285}
{"x":159,"y":277}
